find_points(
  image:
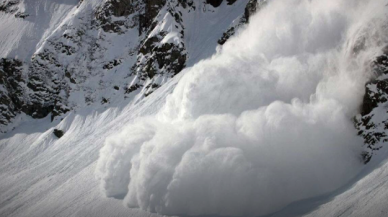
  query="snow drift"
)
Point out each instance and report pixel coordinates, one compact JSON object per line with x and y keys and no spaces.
{"x":266,"y":121}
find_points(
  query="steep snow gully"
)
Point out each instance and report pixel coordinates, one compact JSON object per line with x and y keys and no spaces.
{"x":263,"y":127}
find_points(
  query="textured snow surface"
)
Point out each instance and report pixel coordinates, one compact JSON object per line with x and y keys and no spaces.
{"x":264,"y":123}
{"x":23,"y":36}
{"x":42,"y":175}
{"x":367,"y":197}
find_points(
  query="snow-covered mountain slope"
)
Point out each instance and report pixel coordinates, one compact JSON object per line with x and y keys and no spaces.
{"x":158,"y":117}
{"x":51,"y":176}
{"x":90,"y":53}
{"x":367,"y":197}
{"x":24,"y":35}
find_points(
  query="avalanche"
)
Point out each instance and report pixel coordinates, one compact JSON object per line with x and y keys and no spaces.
{"x":262,"y":125}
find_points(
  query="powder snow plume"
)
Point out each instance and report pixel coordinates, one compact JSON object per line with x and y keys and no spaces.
{"x":264,"y":122}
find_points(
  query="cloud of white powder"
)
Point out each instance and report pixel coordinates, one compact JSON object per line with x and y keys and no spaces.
{"x":265,"y":122}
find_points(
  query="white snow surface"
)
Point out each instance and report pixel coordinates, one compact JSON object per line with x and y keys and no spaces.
{"x":264,"y":123}
{"x":42,"y":175}
{"x":23,"y":36}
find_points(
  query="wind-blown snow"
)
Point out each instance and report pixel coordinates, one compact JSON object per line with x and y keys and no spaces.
{"x":265,"y":122}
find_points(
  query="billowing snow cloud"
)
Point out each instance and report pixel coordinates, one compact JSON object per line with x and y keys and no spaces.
{"x":264,"y":122}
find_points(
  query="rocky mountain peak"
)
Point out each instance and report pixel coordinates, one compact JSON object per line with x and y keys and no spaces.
{"x":121,"y":49}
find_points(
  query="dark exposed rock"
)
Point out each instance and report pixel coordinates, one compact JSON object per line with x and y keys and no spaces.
{"x":9,"y":6}
{"x":230,"y":2}
{"x":167,"y":58}
{"x":171,"y":57}
{"x":186,"y":3}
{"x":132,"y":88}
{"x":75,"y":37}
{"x":229,"y":33}
{"x":21,"y":15}
{"x":104,"y":100}
{"x":250,"y":9}
{"x":12,"y":7}
{"x":80,"y":2}
{"x":28,"y":94}
{"x":112,"y":64}
{"x":146,"y":11}
{"x":58,"y":109}
{"x":46,"y":80}
{"x":151,"y":9}
{"x":12,"y":89}
{"x":115,"y":8}
{"x":68,"y":75}
{"x":154,"y":58}
{"x":63,"y":48}
{"x":376,"y":91}
{"x":376,"y":96}
{"x":58,"y":133}
{"x":150,"y":89}
{"x":157,"y":59}
{"x":214,"y":3}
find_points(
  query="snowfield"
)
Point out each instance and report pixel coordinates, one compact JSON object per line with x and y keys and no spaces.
{"x":21,"y":37}
{"x":42,"y":175}
{"x":262,"y":126}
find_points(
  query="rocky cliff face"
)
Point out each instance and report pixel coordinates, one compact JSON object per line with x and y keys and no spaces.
{"x":11,"y":7}
{"x":372,"y":123}
{"x":162,"y":54}
{"x":12,"y":85}
{"x":104,"y":52}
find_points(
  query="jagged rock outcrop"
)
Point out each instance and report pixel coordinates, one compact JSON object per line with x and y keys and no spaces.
{"x":113,"y":15}
{"x":372,"y":123}
{"x":9,"y":6}
{"x":58,"y":133}
{"x":48,"y":87}
{"x":163,"y":53}
{"x":12,"y":7}
{"x":252,"y":7}
{"x":67,"y":61}
{"x":12,"y":85}
{"x":150,"y":11}
{"x":214,"y":3}
{"x":114,"y":50}
{"x":28,"y":90}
